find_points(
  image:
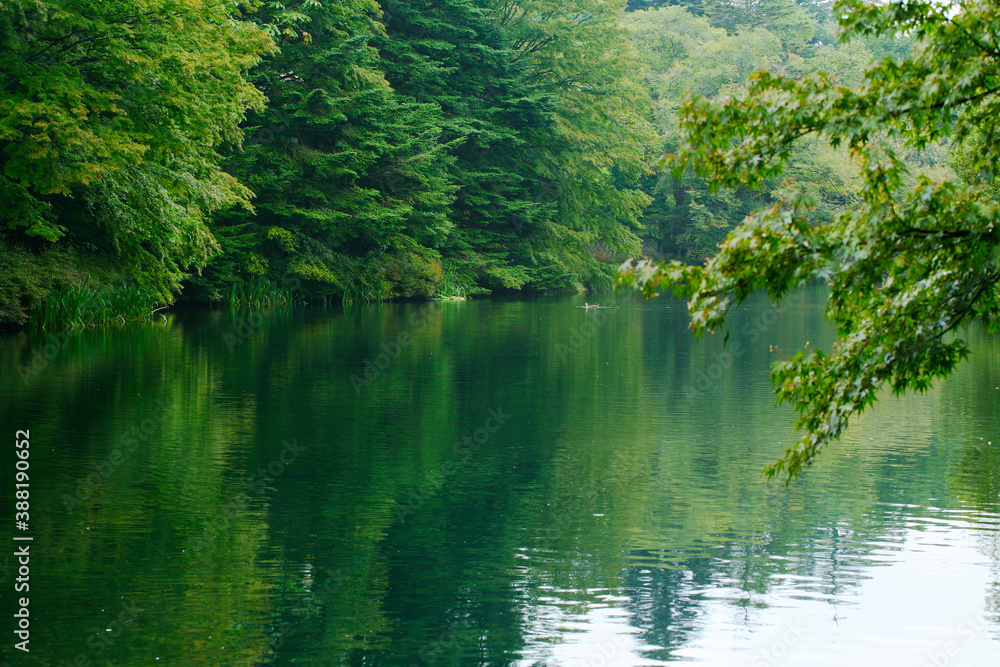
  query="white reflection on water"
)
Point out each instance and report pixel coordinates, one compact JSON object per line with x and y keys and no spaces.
{"x":929,"y":599}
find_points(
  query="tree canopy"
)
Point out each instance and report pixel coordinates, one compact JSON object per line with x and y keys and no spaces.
{"x":917,"y":254}
{"x":393,"y":148}
{"x":363,"y":150}
{"x":687,"y":53}
{"x":110,"y":117}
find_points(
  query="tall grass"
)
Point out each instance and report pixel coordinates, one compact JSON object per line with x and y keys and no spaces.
{"x":360,"y":292}
{"x":452,"y":287}
{"x":87,"y":305}
{"x":259,"y":292}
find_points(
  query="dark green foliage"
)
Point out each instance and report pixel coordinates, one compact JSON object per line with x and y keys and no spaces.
{"x":492,"y":141}
{"x":259,"y":292}
{"x":497,"y":140}
{"x":85,"y":305}
{"x":543,"y":164}
{"x":62,"y":287}
{"x":27,"y":278}
{"x":454,"y":55}
{"x":346,"y":174}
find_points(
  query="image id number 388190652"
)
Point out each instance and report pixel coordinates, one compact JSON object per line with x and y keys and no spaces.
{"x":22,"y":516}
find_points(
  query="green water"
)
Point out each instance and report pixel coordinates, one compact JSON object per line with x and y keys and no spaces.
{"x":512,"y":483}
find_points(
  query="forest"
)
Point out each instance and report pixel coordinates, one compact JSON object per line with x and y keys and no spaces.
{"x":160,"y":151}
{"x":430,"y":464}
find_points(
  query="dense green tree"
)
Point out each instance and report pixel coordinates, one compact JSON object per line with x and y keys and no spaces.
{"x":694,"y":6}
{"x":454,"y":55}
{"x":405,"y":148}
{"x":784,"y":18}
{"x":581,"y":56}
{"x":684,"y":54}
{"x":911,"y":262}
{"x":543,"y":122}
{"x":110,"y":116}
{"x":352,"y":194}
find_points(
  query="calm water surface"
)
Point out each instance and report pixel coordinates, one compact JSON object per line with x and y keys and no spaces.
{"x":490,"y":483}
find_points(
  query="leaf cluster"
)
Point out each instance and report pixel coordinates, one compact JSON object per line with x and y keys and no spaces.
{"x":110,"y":117}
{"x":910,"y":262}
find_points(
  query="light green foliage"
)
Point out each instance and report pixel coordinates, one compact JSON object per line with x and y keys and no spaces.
{"x":785,"y":18}
{"x":720,"y":65}
{"x":667,"y":35}
{"x":581,"y":56}
{"x":910,"y":261}
{"x":684,"y":54}
{"x":110,"y":115}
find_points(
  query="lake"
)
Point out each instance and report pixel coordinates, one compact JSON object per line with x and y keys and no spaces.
{"x":489,"y":482}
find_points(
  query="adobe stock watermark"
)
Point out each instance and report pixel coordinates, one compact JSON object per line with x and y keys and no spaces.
{"x":248,"y":325}
{"x":463,"y":449}
{"x":791,"y":634}
{"x":608,"y":653}
{"x":445,"y":642}
{"x":965,"y":632}
{"x":581,"y":504}
{"x":318,"y":598}
{"x":578,"y":337}
{"x":244,"y":329}
{"x":128,"y":442}
{"x":721,"y":361}
{"x":45,"y":354}
{"x":389,"y":352}
{"x":99,"y":642}
{"x":264,"y":476}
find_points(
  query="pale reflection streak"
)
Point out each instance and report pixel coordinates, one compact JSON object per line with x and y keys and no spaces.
{"x":923,"y":605}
